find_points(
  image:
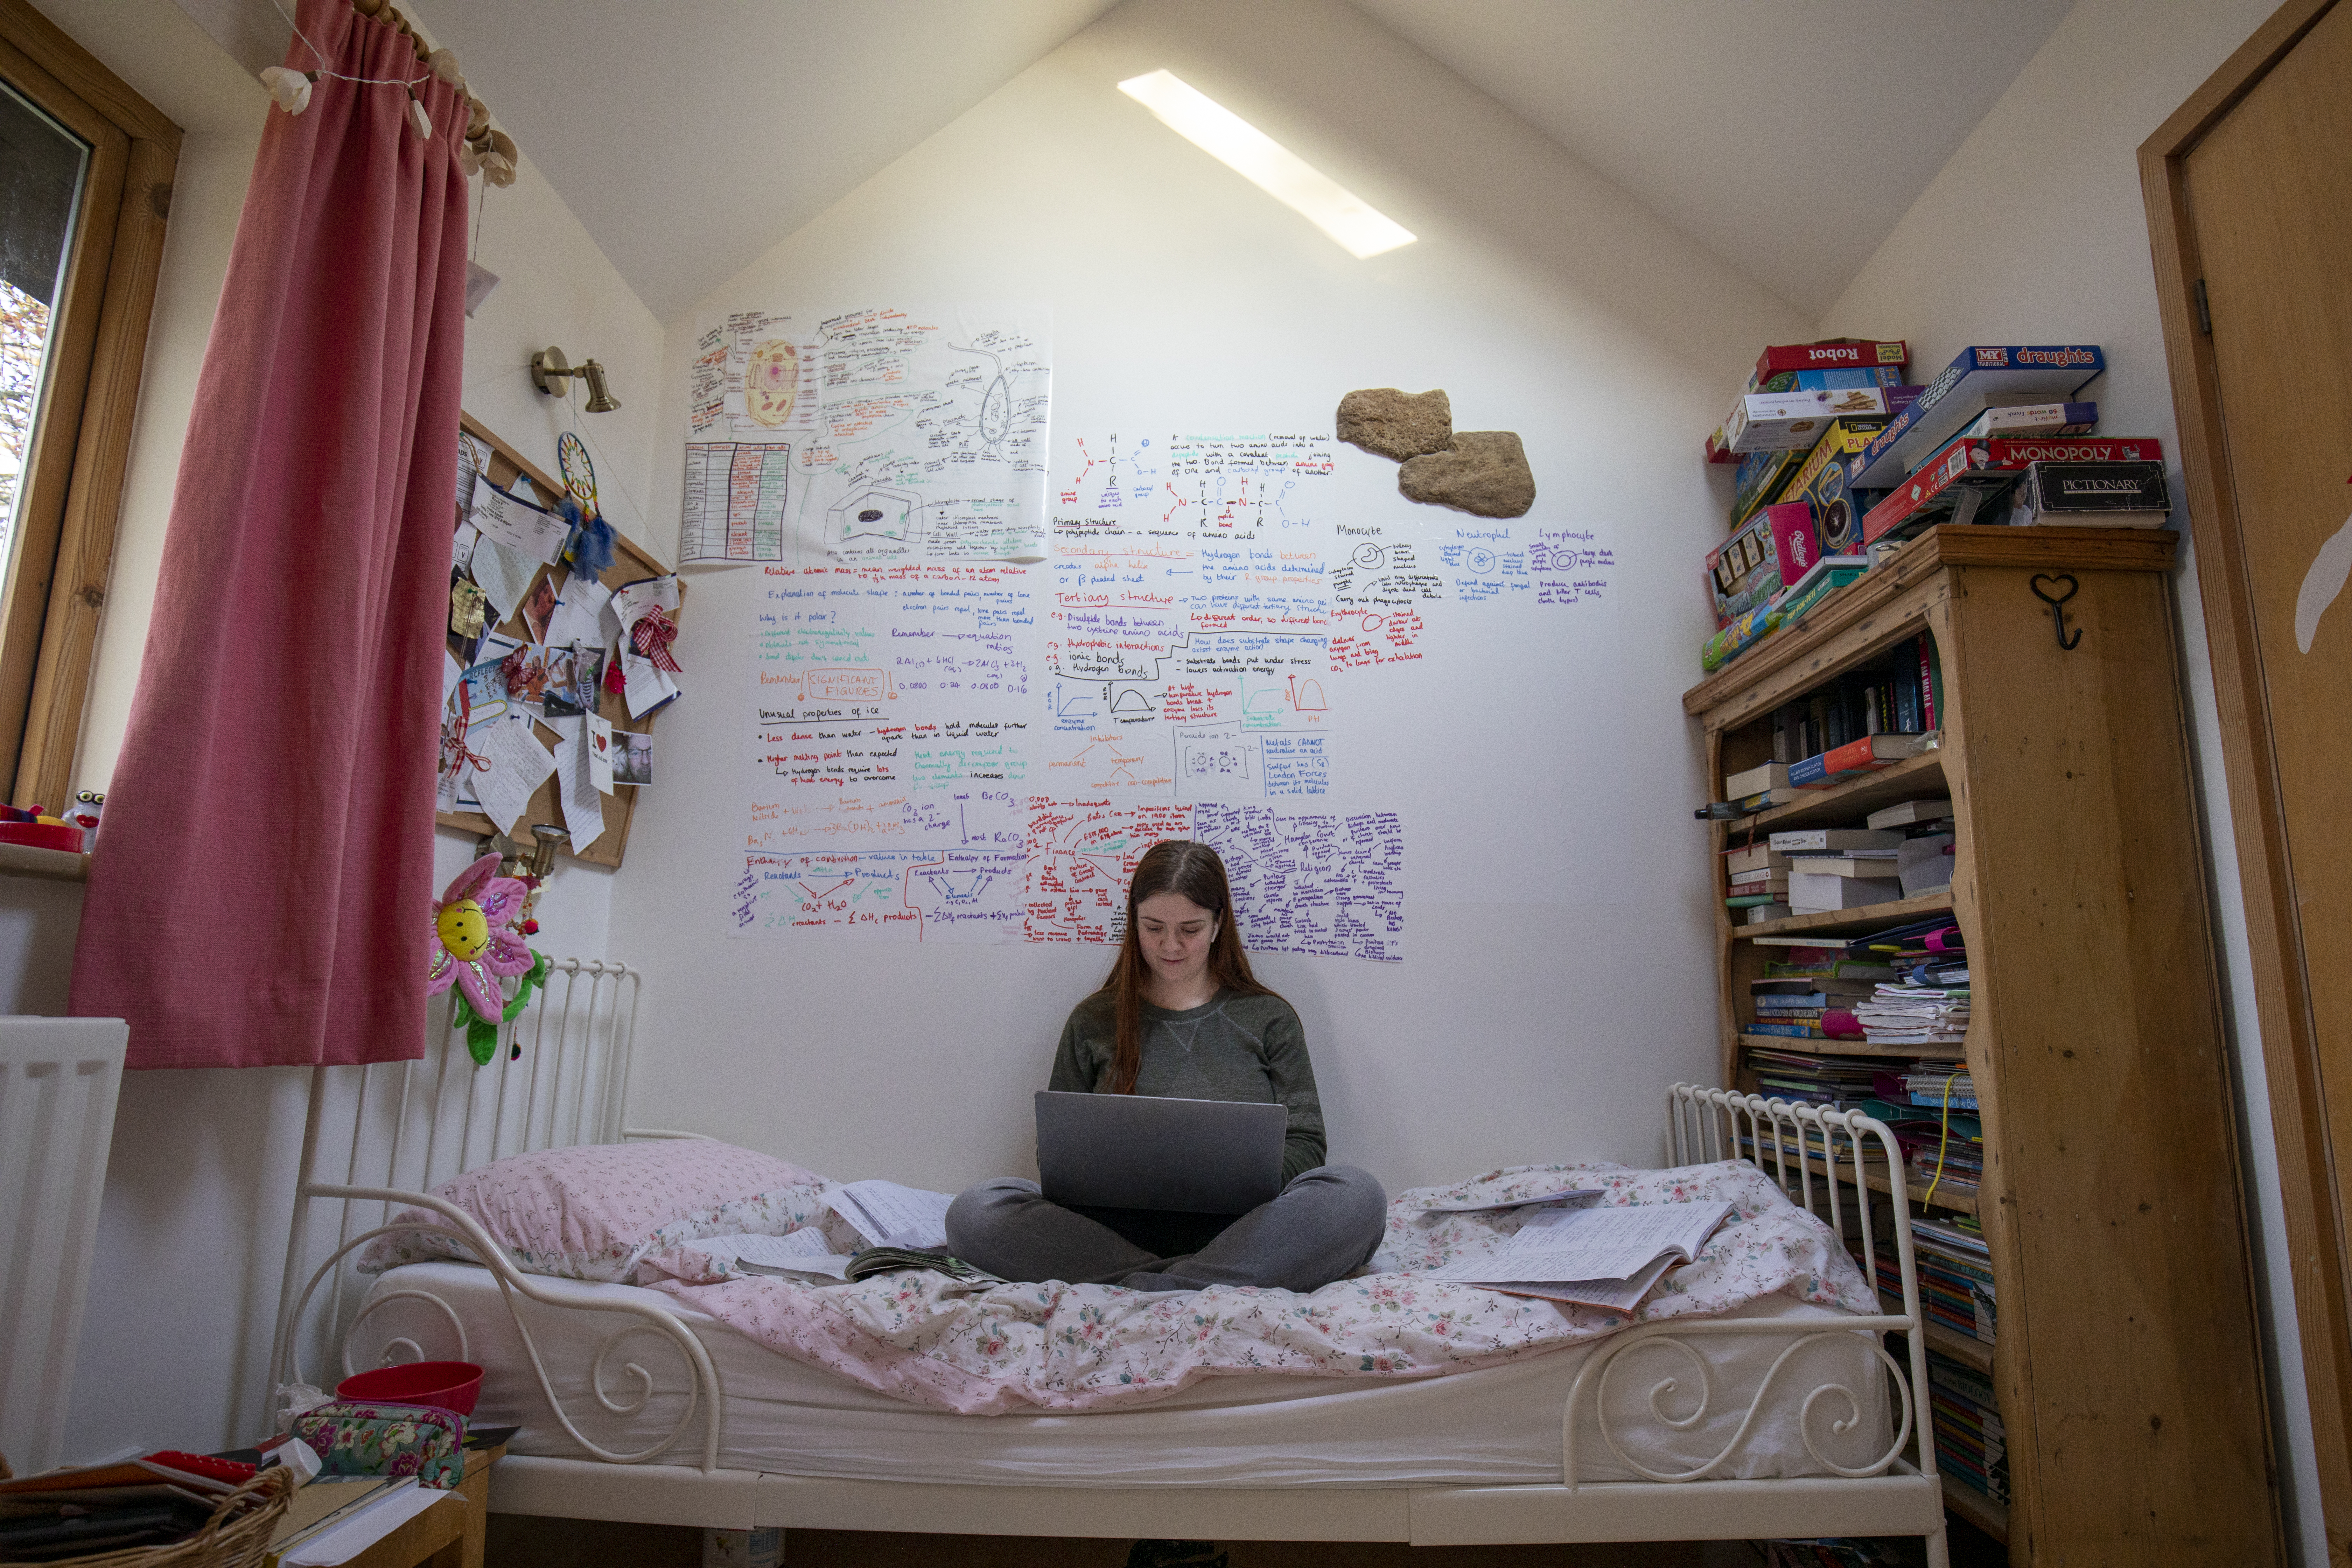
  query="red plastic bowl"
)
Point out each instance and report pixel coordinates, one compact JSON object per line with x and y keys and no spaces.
{"x":451,"y":1384}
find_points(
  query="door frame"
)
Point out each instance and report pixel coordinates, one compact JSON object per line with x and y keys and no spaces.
{"x":2317,"y":1229}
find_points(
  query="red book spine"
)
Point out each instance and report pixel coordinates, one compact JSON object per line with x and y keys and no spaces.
{"x":2007,"y":452}
{"x":1828,"y":356}
{"x":1926,"y":687}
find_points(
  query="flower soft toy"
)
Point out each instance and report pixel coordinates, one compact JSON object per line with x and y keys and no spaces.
{"x":474,"y":946}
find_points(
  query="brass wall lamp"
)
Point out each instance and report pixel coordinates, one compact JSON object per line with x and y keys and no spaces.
{"x":548,"y":373}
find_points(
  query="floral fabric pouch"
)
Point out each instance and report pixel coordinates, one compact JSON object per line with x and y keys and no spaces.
{"x":354,"y":1438}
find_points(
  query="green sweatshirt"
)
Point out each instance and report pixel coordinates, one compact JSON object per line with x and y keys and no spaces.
{"x":1235,"y":1048}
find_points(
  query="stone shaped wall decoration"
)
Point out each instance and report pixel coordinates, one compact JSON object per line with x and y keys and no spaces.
{"x":1484,"y":472}
{"x":1397,"y":424}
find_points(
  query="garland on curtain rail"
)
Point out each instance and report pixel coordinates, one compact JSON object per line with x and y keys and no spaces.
{"x":481,"y":149}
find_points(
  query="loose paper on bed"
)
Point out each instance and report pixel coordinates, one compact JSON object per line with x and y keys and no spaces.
{"x":887,"y":1214}
{"x":801,"y":1251}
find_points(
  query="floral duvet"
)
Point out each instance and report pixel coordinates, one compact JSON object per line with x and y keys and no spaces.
{"x":986,"y":1350}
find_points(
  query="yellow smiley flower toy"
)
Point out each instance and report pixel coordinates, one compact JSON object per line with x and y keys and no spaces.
{"x":474,"y":946}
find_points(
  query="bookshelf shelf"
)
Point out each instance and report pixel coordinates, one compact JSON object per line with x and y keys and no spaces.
{"x":1979,"y":1510}
{"x":1959,"y":1202}
{"x":2083,"y":910}
{"x":1852,"y":1048}
{"x":1852,"y":922}
{"x":1942,"y":1342}
{"x":1914,"y":778}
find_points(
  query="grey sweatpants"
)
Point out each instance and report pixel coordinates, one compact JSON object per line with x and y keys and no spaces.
{"x":1324,"y":1225}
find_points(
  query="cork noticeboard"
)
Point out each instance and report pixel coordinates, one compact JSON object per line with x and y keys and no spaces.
{"x":629,"y":563}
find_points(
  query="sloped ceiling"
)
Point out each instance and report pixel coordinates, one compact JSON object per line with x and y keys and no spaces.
{"x":1786,"y":136}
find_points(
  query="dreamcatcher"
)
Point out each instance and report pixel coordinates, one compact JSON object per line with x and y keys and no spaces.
{"x":590,"y":548}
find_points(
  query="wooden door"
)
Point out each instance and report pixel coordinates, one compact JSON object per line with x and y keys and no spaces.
{"x":2249,"y":200}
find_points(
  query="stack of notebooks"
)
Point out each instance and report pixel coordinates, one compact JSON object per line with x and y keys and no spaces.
{"x":1841,"y":1081}
{"x":1954,"y":1277}
{"x":1969,"y":1446}
{"x":1813,"y":997}
{"x":1901,"y":1016}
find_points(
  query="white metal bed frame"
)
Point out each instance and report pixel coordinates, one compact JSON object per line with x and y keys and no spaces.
{"x":579,"y":1038}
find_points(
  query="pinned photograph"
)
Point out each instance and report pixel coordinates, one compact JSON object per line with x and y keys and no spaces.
{"x":539,"y":606}
{"x":632,"y":758}
{"x":526,"y":675}
{"x":574,"y":674}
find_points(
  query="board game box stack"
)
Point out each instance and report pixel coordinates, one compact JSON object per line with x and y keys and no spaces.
{"x":1796,"y":534}
{"x":2001,"y":434}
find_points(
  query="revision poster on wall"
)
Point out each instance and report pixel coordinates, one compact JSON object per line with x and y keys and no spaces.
{"x":882,"y":436}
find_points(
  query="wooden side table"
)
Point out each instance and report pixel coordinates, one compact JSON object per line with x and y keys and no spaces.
{"x":442,"y":1536}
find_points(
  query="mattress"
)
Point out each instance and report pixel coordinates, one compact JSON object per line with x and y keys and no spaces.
{"x":1496,"y":1425}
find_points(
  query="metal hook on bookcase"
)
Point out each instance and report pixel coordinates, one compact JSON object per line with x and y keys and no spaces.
{"x":2058,"y":605}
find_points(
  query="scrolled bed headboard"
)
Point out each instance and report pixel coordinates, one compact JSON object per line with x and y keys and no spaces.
{"x":558,"y":1077}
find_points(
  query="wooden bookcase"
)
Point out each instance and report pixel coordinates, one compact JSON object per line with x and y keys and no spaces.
{"x":2127,"y":1361}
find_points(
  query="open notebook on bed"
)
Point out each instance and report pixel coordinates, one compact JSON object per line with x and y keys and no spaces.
{"x":1605,"y":1257}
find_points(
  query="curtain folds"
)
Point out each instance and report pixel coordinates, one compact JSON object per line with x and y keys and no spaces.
{"x":261,"y":892}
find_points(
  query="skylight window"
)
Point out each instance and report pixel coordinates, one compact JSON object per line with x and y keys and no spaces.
{"x":1359,"y":229}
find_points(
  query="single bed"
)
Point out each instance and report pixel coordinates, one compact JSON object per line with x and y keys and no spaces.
{"x":1782,"y":1418}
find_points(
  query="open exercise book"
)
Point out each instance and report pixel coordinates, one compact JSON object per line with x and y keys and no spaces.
{"x":1605,"y":1257}
{"x":903,"y":1220}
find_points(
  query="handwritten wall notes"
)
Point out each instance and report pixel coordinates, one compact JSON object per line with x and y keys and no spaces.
{"x":1326,"y":884}
{"x":881,"y":436}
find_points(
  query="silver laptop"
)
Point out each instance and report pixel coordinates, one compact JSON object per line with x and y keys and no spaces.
{"x":1144,"y":1152}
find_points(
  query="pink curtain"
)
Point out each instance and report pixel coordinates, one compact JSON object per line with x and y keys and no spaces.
{"x":261,"y":890}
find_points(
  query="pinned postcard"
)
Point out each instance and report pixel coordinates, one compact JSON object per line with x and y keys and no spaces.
{"x":504,"y":576}
{"x":600,"y":753}
{"x":530,"y":531}
{"x":526,"y":672}
{"x":645,"y":685}
{"x":518,"y":764}
{"x":473,"y":456}
{"x":461,"y":547}
{"x":580,"y":614}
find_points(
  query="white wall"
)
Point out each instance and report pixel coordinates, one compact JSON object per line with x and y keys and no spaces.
{"x":1558,"y":906}
{"x":200,"y":1183}
{"x":2034,"y":232}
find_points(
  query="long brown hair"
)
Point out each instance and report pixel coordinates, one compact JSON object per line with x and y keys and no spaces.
{"x":1191,"y":871}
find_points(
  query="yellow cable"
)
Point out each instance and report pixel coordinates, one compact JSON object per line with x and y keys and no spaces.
{"x":1943,"y":1143}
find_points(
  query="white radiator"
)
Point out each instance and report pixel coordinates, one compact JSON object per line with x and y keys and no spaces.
{"x":59,"y":1078}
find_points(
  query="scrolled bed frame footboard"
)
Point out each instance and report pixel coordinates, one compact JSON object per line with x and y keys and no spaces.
{"x":411,"y":1127}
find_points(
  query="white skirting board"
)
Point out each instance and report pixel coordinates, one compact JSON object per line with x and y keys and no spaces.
{"x":58,"y":1080}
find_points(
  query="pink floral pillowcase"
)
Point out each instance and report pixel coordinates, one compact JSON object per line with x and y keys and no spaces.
{"x":596,"y":1211}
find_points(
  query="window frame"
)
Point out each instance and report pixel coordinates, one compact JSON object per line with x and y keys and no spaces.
{"x":69,"y":498}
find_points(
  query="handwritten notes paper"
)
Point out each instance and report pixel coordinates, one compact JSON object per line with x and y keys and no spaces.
{"x":879,"y":436}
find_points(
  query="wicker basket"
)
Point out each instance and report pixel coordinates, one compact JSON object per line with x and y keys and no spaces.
{"x":237,"y":1536}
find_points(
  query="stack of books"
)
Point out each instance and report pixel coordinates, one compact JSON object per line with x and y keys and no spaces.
{"x":1954,"y":1277}
{"x":1969,"y":1446}
{"x":1935,"y":1086}
{"x":1845,"y":1082}
{"x":1905,"y":1015}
